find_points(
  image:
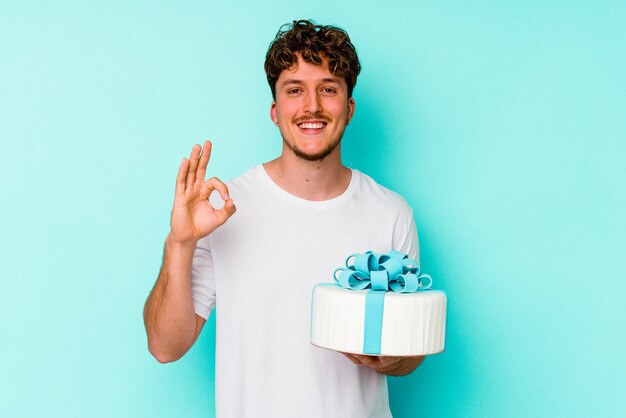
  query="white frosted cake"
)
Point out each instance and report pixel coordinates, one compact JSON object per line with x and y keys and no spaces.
{"x":412,"y":323}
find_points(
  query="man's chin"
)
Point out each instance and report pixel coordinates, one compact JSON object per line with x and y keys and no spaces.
{"x":312,"y":157}
{"x":316,"y":157}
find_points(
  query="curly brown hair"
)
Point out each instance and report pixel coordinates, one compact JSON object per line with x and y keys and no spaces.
{"x":314,"y":43}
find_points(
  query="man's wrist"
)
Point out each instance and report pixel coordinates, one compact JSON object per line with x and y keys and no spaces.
{"x":174,"y":245}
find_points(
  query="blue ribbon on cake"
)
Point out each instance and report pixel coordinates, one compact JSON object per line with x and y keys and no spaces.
{"x":380,"y":273}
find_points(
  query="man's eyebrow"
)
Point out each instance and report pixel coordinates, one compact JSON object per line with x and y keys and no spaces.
{"x":292,"y":81}
{"x":296,"y":81}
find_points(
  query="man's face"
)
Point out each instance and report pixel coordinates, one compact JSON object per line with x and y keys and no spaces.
{"x":311,"y":110}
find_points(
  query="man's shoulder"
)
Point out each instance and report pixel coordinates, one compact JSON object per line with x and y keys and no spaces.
{"x":380,"y":195}
{"x":247,"y":179}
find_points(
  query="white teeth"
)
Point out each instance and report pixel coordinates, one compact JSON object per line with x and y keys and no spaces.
{"x":312,"y":125}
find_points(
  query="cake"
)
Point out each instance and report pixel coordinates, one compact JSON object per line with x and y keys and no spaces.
{"x":402,"y":320}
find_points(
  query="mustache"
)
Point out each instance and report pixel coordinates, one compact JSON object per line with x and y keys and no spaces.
{"x":318,"y":117}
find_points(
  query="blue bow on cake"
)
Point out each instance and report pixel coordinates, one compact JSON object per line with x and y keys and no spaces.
{"x":380,"y":273}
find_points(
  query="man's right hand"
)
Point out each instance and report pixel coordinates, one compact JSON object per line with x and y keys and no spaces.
{"x":193,"y":216}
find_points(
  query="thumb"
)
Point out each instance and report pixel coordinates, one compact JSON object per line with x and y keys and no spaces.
{"x":229,"y":207}
{"x":227,"y":211}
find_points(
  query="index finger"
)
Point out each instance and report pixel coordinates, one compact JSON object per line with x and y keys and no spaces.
{"x":367,"y":360}
{"x":204,"y":161}
{"x":351,"y":358}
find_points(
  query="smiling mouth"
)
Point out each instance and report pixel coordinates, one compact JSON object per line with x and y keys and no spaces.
{"x":312,"y":126}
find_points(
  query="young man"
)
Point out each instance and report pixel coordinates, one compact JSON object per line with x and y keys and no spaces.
{"x":297,"y":218}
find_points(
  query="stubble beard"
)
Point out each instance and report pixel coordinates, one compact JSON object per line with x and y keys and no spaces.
{"x":312,"y":157}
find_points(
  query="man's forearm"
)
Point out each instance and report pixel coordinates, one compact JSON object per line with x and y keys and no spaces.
{"x":169,"y":315}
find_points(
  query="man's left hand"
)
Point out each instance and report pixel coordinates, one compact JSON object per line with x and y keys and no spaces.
{"x":388,"y":365}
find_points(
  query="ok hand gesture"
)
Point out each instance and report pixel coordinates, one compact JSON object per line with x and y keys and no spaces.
{"x":193,"y":216}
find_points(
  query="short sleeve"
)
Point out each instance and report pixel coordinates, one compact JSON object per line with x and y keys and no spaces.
{"x":203,"y":279}
{"x":405,"y":236}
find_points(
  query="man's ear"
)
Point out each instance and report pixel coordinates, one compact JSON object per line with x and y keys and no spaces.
{"x":274,"y":113}
{"x":351,"y":108}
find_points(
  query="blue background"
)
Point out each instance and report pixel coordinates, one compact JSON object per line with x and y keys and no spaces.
{"x":502,"y":123}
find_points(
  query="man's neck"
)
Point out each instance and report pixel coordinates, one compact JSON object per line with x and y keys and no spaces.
{"x":310,"y":180}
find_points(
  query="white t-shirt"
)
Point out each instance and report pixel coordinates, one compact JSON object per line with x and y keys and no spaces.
{"x":259,"y":269}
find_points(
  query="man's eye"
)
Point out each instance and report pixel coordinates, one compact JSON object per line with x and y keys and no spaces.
{"x":329,"y":90}
{"x":293,"y":91}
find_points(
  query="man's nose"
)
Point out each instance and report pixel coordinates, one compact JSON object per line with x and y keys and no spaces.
{"x":313,"y":103}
